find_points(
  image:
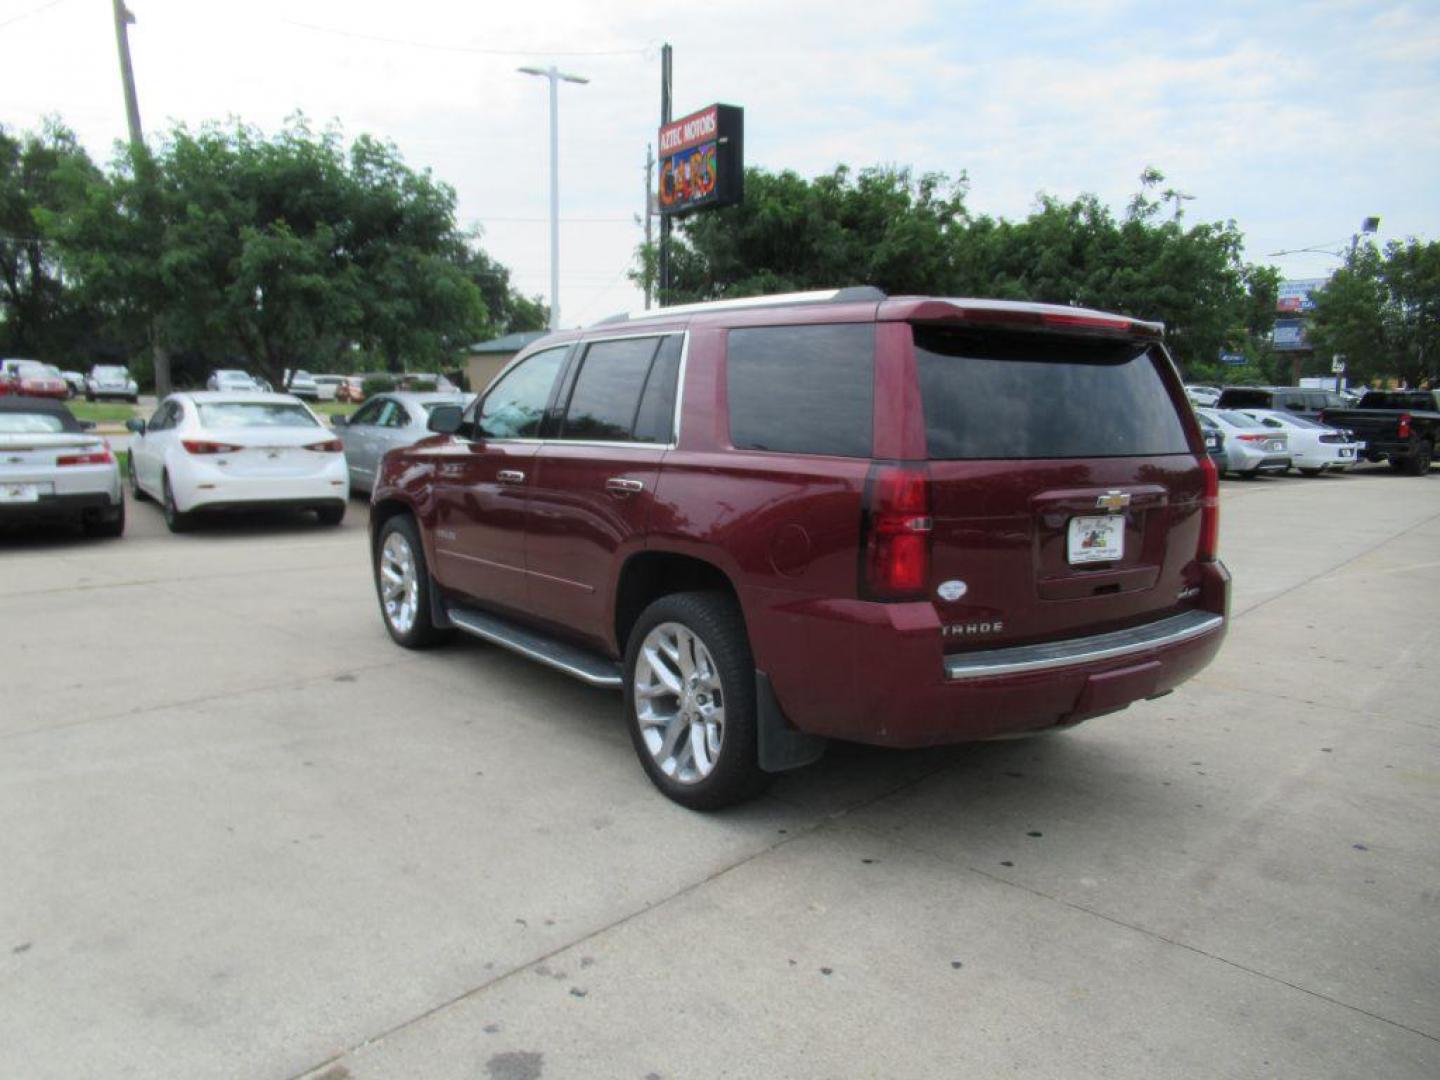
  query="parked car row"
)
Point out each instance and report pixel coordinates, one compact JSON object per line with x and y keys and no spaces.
{"x":1252,"y":430}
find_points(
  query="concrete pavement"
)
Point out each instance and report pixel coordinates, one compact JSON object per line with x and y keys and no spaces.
{"x":246,"y":836}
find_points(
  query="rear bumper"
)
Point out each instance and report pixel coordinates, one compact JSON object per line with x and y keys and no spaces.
{"x":878,"y":673}
{"x":207,"y":487}
{"x":54,"y":507}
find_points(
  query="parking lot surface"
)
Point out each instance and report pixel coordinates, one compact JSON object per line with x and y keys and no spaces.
{"x":244,"y":835}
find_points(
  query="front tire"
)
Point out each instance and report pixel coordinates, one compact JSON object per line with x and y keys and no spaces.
{"x":402,"y":582}
{"x":176,"y":520}
{"x":1311,"y":472}
{"x":690,"y":700}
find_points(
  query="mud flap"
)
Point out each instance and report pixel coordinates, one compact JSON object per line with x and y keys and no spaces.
{"x":439,"y":612}
{"x":781,"y":747}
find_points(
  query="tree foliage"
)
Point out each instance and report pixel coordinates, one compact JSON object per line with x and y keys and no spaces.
{"x":289,"y":251}
{"x":908,"y":234}
{"x":41,"y":176}
{"x":1381,"y":311}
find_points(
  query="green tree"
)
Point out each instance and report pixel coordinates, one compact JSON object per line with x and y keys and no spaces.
{"x":282,"y":252}
{"x":1381,"y":311}
{"x":41,"y":176}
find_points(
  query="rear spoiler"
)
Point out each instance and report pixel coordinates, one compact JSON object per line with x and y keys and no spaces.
{"x":1020,"y":316}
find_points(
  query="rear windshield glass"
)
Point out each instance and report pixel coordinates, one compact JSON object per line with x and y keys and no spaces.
{"x":242,"y":414}
{"x":992,"y":394}
{"x":30,"y":423}
{"x":111,"y":372}
{"x":1240,"y":419}
{"x":1397,"y":399}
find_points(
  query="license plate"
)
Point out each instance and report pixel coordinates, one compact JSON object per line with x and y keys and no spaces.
{"x":19,"y":493}
{"x":1097,"y":539}
{"x":1345,"y":451}
{"x":1277,"y":445}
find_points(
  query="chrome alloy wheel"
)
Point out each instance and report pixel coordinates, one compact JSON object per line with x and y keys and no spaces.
{"x":679,"y":702}
{"x":399,"y":587}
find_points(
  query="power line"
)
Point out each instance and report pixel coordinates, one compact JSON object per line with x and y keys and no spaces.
{"x":32,"y":11}
{"x":440,"y":47}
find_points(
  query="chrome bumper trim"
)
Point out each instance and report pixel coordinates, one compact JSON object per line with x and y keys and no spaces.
{"x":1023,"y":659}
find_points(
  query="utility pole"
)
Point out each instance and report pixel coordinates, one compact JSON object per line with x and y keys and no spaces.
{"x":649,"y":214}
{"x":160,"y":355}
{"x":666,"y":70}
{"x":556,"y":76}
{"x":123,"y":19}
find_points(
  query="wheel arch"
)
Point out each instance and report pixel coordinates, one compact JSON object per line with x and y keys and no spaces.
{"x":650,"y":574}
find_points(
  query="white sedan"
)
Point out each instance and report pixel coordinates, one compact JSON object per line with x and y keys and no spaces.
{"x":234,"y":451}
{"x":1314,"y":448}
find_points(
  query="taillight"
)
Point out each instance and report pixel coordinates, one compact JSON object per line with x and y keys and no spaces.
{"x":93,"y":457}
{"x":897,"y":533}
{"x":330,"y":446}
{"x":204,"y":446}
{"x":1404,"y":431}
{"x":1209,"y":548}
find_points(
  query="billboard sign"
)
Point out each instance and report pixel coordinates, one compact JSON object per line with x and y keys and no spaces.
{"x":1290,"y":334}
{"x":1234,"y":359}
{"x":702,"y":160}
{"x":1295,"y":295}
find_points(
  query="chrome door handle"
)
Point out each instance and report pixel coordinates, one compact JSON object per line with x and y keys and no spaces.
{"x":510,"y":476}
{"x":623,"y":486}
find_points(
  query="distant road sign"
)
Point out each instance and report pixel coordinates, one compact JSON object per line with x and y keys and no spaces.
{"x":1235,"y":359}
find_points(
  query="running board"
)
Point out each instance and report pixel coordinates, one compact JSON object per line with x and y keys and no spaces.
{"x":574,"y":660}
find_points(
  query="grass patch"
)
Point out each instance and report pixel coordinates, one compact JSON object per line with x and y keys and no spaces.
{"x":333,"y":408}
{"x":102,"y":412}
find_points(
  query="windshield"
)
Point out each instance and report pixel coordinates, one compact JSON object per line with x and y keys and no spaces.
{"x":223,"y":415}
{"x":21,"y":423}
{"x":111,"y":373}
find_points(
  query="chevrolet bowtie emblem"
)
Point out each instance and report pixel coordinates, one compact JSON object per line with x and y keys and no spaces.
{"x":1113,"y":501}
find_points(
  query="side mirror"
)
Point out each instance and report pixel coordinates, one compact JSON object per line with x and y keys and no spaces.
{"x":137,"y":426}
{"x":446,"y":419}
{"x":338,"y":420}
{"x":87,"y":425}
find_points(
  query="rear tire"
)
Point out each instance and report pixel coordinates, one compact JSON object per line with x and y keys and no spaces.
{"x":135,"y":491}
{"x":690,"y":700}
{"x":331,"y":515}
{"x":1311,"y":472}
{"x":402,"y":584}
{"x":176,"y":520}
{"x":1418,"y":463}
{"x":109,"y":524}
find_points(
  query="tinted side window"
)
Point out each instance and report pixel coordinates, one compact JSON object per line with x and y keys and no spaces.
{"x":655,"y":422}
{"x":607,"y":390}
{"x":993,"y":394}
{"x":802,"y":389}
{"x":516,"y":404}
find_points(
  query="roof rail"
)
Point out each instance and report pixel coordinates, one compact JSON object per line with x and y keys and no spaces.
{"x":850,"y":294}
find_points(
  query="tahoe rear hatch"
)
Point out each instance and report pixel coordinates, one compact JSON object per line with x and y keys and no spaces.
{"x":1065,"y":494}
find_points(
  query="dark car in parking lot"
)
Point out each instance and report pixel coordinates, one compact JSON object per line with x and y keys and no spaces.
{"x":773,"y":521}
{"x":1398,"y":426}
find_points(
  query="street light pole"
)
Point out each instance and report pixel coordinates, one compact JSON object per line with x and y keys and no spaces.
{"x":556,"y":76}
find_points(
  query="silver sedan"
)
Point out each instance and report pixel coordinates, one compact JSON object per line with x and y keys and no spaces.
{"x":383,"y":423}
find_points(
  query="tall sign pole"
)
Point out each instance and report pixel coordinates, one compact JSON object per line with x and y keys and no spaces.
{"x":649,"y":217}
{"x":663,"y":291}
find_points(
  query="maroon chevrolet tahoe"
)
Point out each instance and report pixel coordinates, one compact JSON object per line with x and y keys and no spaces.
{"x":772,"y":522}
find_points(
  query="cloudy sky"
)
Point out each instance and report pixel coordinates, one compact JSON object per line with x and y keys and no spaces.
{"x":1296,"y":119}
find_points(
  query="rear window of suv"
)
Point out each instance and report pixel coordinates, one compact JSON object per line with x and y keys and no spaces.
{"x":993,"y":394}
{"x":802,"y":389}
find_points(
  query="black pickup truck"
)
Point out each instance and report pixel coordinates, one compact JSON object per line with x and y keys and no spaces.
{"x":1398,"y":426}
